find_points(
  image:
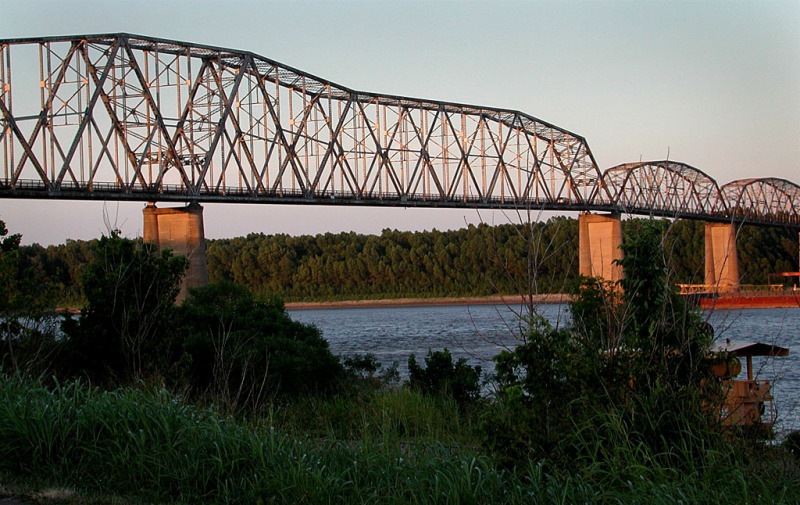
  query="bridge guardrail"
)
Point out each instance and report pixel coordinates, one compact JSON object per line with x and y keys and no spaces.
{"x":108,"y":190}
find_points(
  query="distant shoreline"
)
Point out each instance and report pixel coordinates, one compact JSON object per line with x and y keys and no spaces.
{"x":513,"y":300}
{"x":721,"y":303}
{"x":741,"y":301}
{"x":510,"y":300}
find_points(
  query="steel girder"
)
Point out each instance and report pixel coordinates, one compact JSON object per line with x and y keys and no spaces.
{"x":753,"y":200}
{"x":664,"y":187}
{"x":121,"y":114}
{"x":675,"y":189}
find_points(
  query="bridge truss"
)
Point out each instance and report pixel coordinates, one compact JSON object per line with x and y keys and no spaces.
{"x":121,"y":116}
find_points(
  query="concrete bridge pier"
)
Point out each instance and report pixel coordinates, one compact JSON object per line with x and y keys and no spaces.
{"x":721,"y":261}
{"x":599,"y":238}
{"x":180,"y":229}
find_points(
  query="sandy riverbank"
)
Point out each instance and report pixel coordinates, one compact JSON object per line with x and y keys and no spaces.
{"x":422,"y":302}
{"x":723,"y":302}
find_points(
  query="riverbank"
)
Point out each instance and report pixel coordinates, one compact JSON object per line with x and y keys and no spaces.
{"x":763,"y":300}
{"x":514,"y":300}
{"x":743,"y":301}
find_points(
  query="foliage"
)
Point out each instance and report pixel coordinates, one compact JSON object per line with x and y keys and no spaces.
{"x":670,"y":336}
{"x":244,"y":349}
{"x":27,"y":338}
{"x":441,"y":376}
{"x":792,"y":444}
{"x":130,"y":290}
{"x":23,"y":289}
{"x":630,"y":367}
{"x":151,"y":446}
{"x":362,"y":365}
{"x":222,"y":340}
{"x":474,"y":261}
{"x":365,"y":375}
{"x":62,"y":265}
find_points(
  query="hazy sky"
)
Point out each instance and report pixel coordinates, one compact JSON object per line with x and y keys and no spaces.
{"x":713,"y":84}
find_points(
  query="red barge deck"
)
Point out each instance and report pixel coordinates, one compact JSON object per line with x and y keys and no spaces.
{"x":751,"y":300}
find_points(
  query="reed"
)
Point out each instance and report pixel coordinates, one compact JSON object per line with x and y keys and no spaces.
{"x":149,"y":445}
{"x":398,"y":415}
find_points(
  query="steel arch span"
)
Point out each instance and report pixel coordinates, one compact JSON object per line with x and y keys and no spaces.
{"x":755,"y":199}
{"x":129,"y":117}
{"x":664,"y":187}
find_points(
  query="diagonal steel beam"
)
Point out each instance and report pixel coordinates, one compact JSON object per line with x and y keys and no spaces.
{"x":228,"y":104}
{"x":11,"y":123}
{"x":86,"y":114}
{"x":160,"y":126}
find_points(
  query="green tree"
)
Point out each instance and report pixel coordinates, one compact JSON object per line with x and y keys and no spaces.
{"x":441,"y":375}
{"x":243,"y":349}
{"x":130,"y":291}
{"x":23,"y":289}
{"x":26,"y":297}
{"x":631,"y":366}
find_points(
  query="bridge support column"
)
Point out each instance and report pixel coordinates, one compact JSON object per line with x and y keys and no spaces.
{"x":599,"y":238}
{"x":180,"y":229}
{"x":722,"y":262}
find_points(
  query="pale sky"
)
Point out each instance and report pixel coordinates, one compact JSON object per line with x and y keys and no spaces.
{"x":712,"y":84}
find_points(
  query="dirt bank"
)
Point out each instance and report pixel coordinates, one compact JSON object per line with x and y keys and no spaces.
{"x":422,"y":302}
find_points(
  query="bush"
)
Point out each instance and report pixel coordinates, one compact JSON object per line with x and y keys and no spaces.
{"x":631,"y":367}
{"x":27,"y":332}
{"x":792,"y":444}
{"x":441,"y":376}
{"x":130,"y":291}
{"x":244,"y":349}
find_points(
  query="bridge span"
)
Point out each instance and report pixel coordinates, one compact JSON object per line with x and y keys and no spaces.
{"x":130,"y":117}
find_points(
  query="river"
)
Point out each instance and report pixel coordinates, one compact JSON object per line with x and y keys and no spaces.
{"x":479,"y":332}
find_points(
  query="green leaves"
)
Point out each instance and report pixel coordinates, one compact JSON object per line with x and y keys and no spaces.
{"x":630,"y":366}
{"x":130,"y":291}
{"x":244,"y":349}
{"x":441,"y":375}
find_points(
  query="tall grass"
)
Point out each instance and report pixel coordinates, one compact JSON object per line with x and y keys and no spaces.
{"x":382,"y":416}
{"x":150,"y":445}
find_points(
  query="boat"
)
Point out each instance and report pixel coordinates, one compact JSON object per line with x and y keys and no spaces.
{"x":747,"y":402}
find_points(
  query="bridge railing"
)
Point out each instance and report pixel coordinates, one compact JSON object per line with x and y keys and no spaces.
{"x":29,"y":186}
{"x":744,"y":289}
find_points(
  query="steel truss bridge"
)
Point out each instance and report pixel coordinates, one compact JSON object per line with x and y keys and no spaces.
{"x":128,"y":117}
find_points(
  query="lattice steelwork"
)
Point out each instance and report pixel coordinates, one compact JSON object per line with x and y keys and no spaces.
{"x":124,"y":116}
{"x":756,"y":199}
{"x":663,"y":187}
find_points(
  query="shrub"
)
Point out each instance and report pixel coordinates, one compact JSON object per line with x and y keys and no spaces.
{"x":27,"y":336}
{"x":130,"y":291}
{"x":244,"y":349}
{"x":792,"y":444}
{"x":441,"y":376}
{"x":630,"y":368}
{"x":362,"y":365}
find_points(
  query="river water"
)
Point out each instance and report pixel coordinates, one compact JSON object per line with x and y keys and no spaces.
{"x":479,"y":332}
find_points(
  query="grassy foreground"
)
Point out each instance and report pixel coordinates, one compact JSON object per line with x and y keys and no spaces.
{"x":149,"y":446}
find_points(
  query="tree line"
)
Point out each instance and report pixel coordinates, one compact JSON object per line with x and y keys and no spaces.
{"x":480,"y":260}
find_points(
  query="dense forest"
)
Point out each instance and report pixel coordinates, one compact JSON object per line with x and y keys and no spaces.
{"x":475,"y":261}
